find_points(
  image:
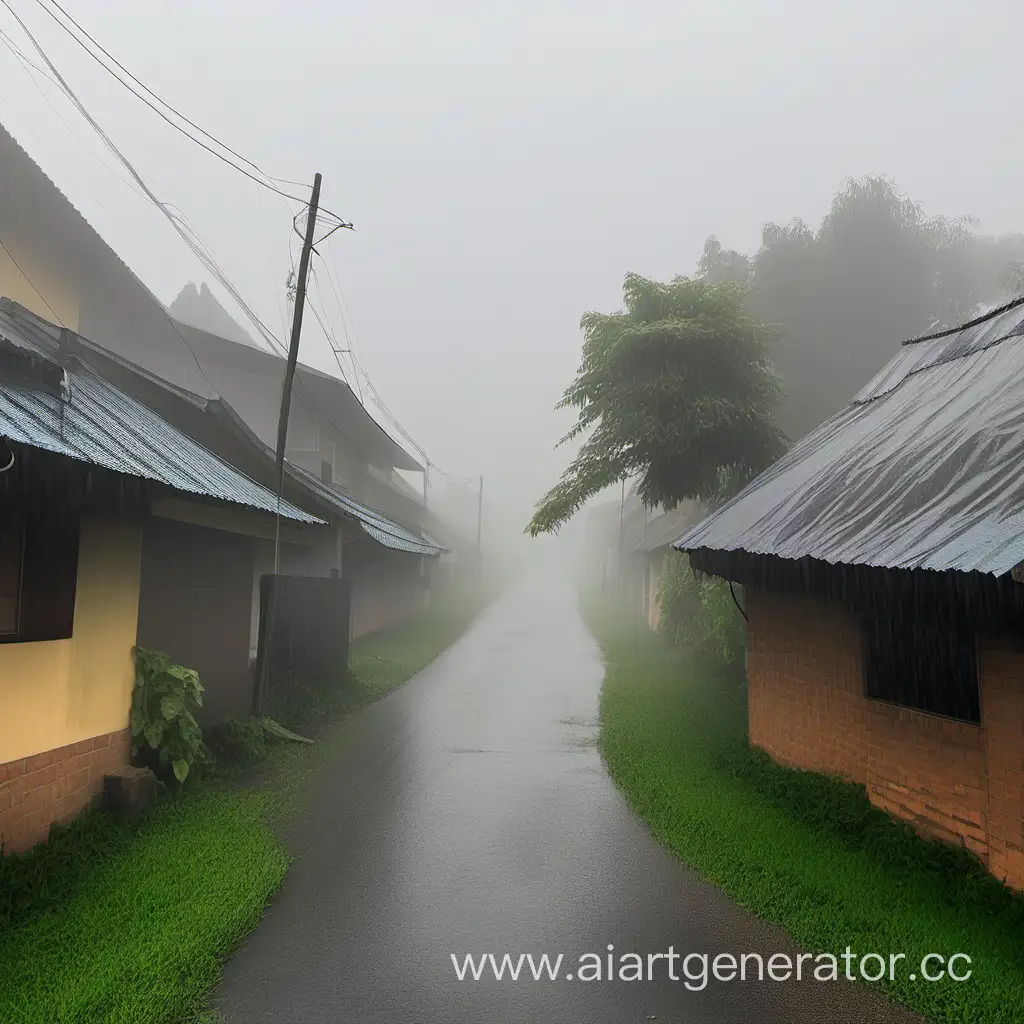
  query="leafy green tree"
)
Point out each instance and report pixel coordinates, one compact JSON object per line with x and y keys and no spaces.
{"x":676,"y":390}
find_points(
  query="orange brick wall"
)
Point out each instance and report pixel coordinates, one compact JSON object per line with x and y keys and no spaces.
{"x":55,"y":786}
{"x":957,"y":782}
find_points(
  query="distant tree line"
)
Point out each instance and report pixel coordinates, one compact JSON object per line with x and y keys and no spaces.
{"x":876,"y":272}
{"x":700,"y":383}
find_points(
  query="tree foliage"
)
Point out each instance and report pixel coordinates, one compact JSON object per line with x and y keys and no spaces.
{"x":877,"y":271}
{"x":675,"y":389}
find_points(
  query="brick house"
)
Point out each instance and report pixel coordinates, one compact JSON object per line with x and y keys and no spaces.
{"x":880,"y":561}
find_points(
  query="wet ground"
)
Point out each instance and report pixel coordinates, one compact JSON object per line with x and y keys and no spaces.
{"x":472,"y":814}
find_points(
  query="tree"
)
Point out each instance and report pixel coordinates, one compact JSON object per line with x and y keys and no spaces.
{"x":675,"y":389}
{"x":877,"y":271}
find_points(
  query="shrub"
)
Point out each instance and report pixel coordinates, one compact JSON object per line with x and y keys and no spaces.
{"x":724,"y":627}
{"x":679,"y":608}
{"x":699,"y":612}
{"x":238,"y":742}
{"x":165,"y":734}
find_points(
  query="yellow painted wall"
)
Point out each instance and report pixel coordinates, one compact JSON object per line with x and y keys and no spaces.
{"x":61,"y":691}
{"x":37,"y":288}
{"x":234,"y":519}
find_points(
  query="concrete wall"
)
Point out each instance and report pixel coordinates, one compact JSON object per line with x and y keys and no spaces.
{"x":66,"y":703}
{"x":195,"y":603}
{"x":387,"y":586}
{"x":951,"y":780}
{"x":304,"y":632}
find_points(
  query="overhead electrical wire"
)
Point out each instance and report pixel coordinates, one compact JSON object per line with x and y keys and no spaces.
{"x":32,"y":69}
{"x":180,"y":223}
{"x":31,"y":284}
{"x":343,"y":309}
{"x":261,"y":178}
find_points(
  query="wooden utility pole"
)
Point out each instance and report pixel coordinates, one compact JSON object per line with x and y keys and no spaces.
{"x":293,"y":358}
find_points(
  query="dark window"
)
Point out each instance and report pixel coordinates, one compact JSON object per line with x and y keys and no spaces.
{"x":38,"y":579}
{"x":927,"y":664}
{"x":12,"y":546}
{"x":326,"y":472}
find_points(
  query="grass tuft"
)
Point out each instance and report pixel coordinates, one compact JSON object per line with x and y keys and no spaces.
{"x":801,"y":850}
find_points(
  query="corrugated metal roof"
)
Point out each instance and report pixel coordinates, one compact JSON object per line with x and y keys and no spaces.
{"x":99,"y":424}
{"x":378,"y":526}
{"x":668,"y":527}
{"x":923,"y":469}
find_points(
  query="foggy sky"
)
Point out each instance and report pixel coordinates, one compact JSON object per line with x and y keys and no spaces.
{"x":505,"y":164}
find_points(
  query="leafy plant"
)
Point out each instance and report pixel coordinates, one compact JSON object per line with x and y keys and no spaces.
{"x":164,"y":702}
{"x":725,"y":630}
{"x":699,"y":613}
{"x":679,"y":607}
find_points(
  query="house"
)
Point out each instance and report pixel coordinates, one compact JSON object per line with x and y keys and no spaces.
{"x":646,"y":541}
{"x":385,"y":561}
{"x":601,"y":541}
{"x":116,"y":529}
{"x":55,"y":264}
{"x":880,"y":561}
{"x":627,"y":543}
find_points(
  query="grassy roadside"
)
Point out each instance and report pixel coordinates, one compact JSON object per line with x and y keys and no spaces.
{"x":800,"y":850}
{"x":113,"y":925}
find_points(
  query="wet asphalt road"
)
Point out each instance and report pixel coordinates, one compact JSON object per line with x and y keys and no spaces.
{"x":471,"y":813}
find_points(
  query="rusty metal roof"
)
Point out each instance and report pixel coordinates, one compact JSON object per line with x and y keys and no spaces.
{"x":924,"y":469}
{"x":90,"y":420}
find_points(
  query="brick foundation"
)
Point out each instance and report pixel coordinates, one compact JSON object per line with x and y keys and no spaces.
{"x":55,"y":786}
{"x":957,"y":782}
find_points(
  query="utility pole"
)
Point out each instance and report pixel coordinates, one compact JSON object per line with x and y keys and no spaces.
{"x":293,"y":358}
{"x":267,"y":631}
{"x":479,"y":512}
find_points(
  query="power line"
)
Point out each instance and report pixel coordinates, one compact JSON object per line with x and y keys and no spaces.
{"x":29,"y":66}
{"x":339,"y":297}
{"x":10,"y":256}
{"x":184,"y":229}
{"x":265,"y":179}
{"x":332,"y":339}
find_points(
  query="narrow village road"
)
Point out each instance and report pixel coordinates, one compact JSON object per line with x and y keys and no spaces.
{"x":471,"y":814}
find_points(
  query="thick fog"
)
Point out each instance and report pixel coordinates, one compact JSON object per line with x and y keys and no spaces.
{"x":506,"y":164}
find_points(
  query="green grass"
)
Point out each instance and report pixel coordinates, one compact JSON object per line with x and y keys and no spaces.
{"x":798,"y":849}
{"x":113,"y":925}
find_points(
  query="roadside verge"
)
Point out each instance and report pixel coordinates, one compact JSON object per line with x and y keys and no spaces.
{"x":800,"y":850}
{"x":113,"y":925}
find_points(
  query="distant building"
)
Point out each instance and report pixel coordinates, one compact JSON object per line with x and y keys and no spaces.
{"x":198,"y":307}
